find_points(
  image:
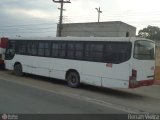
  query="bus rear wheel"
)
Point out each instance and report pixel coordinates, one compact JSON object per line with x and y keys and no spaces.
{"x":73,"y":79}
{"x":18,"y":69}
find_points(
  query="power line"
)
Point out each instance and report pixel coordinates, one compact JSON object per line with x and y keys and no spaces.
{"x":76,"y":17}
{"x":31,"y":32}
{"x":31,"y":29}
{"x":26,"y":24}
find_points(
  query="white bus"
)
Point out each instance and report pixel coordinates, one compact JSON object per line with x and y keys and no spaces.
{"x":114,"y":62}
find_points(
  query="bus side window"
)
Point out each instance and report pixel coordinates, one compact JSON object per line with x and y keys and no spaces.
{"x":62,"y":50}
{"x":11,"y":49}
{"x":21,"y":49}
{"x":47,"y":47}
{"x":70,"y":50}
{"x":93,"y":52}
{"x":32,"y":48}
{"x":55,"y":49}
{"x":97,"y":52}
{"x":41,"y":48}
{"x":79,"y":51}
{"x":10,"y":52}
{"x":116,"y":52}
{"x":108,"y":53}
{"x":87,"y":52}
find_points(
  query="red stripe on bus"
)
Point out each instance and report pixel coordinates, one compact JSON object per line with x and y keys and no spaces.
{"x":141,"y":83}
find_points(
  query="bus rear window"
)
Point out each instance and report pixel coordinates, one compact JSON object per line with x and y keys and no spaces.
{"x":144,"y":50}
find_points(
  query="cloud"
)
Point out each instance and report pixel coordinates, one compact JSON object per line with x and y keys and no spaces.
{"x":26,"y":4}
{"x":30,"y":13}
{"x":28,"y":18}
{"x":139,"y":13}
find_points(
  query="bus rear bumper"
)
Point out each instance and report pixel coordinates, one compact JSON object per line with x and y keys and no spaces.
{"x":141,"y":83}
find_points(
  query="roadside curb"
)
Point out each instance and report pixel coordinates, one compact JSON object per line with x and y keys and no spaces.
{"x":157,"y":82}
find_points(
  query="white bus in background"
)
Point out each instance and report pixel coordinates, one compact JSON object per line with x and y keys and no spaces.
{"x":113,"y":62}
{"x":3,"y":45}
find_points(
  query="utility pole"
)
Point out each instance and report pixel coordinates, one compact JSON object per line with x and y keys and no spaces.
{"x":61,"y":15}
{"x":99,"y":12}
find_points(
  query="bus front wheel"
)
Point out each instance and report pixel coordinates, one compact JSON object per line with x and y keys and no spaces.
{"x":73,"y":79}
{"x":18,"y":69}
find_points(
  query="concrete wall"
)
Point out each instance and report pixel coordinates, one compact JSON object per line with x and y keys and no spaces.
{"x":157,"y":71}
{"x":102,"y":29}
{"x":158,"y":56}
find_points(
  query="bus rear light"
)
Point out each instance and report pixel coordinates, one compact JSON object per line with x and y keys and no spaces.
{"x":132,"y":79}
{"x":133,"y":83}
{"x":133,"y":75}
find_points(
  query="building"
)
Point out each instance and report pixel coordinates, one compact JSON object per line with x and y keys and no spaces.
{"x":101,"y":29}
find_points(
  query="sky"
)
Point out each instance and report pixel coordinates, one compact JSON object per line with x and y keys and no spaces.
{"x":39,"y":18}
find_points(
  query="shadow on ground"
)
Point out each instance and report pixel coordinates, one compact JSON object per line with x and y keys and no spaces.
{"x":105,"y":91}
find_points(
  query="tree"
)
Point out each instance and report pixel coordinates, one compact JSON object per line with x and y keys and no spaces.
{"x":151,"y":32}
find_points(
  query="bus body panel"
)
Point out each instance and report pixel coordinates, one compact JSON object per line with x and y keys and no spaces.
{"x":145,"y":69}
{"x":93,"y":73}
{"x":32,"y":64}
{"x":8,"y":64}
{"x":116,"y":76}
{"x":106,"y":76}
{"x":41,"y":66}
{"x":114,"y":83}
{"x":144,"y":73}
{"x":59,"y":67}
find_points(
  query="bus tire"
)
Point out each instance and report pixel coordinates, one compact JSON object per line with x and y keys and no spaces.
{"x":73,"y":79}
{"x":18,"y":69}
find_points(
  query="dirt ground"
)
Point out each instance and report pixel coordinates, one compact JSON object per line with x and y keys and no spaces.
{"x":157,"y":73}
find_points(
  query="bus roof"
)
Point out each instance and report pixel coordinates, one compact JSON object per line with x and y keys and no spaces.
{"x":81,"y":38}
